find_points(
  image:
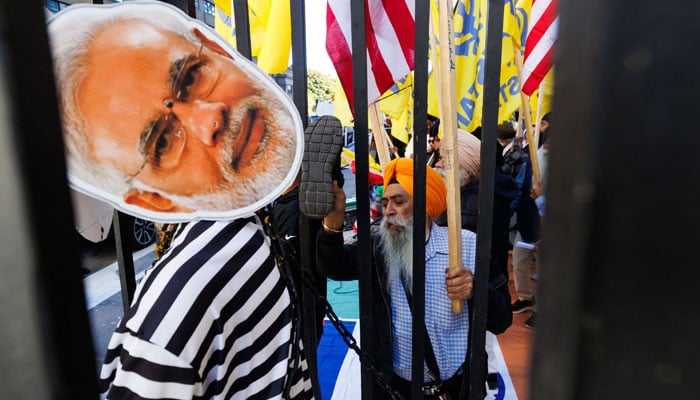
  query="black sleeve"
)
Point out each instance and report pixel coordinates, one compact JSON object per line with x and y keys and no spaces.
{"x":500,"y":314}
{"x":334,"y":259}
{"x":285,"y":214}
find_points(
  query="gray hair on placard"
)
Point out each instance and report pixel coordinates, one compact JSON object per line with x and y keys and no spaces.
{"x":70,"y":36}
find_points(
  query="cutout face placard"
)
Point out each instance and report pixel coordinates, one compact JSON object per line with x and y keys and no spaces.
{"x":164,"y":120}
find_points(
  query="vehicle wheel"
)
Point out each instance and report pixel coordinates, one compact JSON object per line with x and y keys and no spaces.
{"x":143,"y":233}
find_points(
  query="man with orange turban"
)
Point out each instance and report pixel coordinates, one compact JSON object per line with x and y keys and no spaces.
{"x":392,"y":272}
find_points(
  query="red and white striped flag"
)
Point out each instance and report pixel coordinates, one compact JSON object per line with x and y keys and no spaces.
{"x":539,"y":45}
{"x":390,"y":33}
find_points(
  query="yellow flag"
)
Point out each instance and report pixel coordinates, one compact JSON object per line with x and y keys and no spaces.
{"x":223,"y":23}
{"x":548,"y":85}
{"x":516,"y":23}
{"x":397,"y":103}
{"x":270,"y":34}
{"x":270,"y":30}
{"x":514,"y":33}
{"x":470,"y":19}
{"x":433,"y":101}
{"x":258,"y":11}
{"x":224,"y":6}
{"x":341,"y":109}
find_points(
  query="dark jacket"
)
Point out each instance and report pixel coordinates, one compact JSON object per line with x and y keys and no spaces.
{"x":469,"y":206}
{"x":514,"y":159}
{"x":339,"y":262}
{"x":284,"y":216}
{"x":505,"y":191}
{"x":528,"y":217}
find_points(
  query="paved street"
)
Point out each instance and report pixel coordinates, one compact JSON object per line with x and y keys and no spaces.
{"x":103,"y":291}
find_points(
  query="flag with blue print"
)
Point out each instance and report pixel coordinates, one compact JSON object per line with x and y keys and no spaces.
{"x":470,"y":19}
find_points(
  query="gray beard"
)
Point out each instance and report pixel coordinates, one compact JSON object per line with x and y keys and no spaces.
{"x":397,"y":249}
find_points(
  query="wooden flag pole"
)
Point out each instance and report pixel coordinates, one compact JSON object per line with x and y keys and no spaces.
{"x":448,"y":144}
{"x":389,"y":143}
{"x":379,"y":134}
{"x":532,"y":145}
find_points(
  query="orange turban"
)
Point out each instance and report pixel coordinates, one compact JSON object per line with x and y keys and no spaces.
{"x":401,"y":169}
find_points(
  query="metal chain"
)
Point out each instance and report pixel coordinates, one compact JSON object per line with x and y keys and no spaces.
{"x":286,"y":273}
{"x":281,"y":258}
{"x":365,"y":360}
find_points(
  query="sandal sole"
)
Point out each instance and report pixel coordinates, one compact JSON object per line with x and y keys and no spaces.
{"x":323,"y":141}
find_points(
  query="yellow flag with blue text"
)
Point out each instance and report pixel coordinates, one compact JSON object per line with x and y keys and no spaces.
{"x":397,"y":103}
{"x":470,"y":20}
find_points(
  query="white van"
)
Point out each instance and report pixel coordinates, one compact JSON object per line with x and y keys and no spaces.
{"x":93,"y":220}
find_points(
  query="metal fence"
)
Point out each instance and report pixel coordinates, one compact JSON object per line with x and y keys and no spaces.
{"x":618,"y":282}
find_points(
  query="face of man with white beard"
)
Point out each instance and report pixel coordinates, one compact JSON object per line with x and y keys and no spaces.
{"x":397,"y":248}
{"x":397,"y":232}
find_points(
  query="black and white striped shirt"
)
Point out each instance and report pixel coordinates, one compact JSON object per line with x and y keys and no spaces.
{"x":210,"y":320}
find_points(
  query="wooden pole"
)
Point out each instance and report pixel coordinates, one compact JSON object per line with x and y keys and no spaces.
{"x":379,"y":134}
{"x":387,"y":137}
{"x":532,"y":145}
{"x":448,"y":144}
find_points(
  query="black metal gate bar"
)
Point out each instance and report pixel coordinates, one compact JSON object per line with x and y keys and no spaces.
{"x":618,"y":316}
{"x":45,"y":342}
{"x":307,"y":227}
{"x":299,"y":78}
{"x":191,"y":9}
{"x":240,"y":16}
{"x":185,"y":5}
{"x":370,"y":389}
{"x":420,"y":110}
{"x":125,"y":258}
{"x":489,"y":125}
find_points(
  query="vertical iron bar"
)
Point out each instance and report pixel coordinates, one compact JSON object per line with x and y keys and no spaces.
{"x":242,"y":23}
{"x":307,"y":227}
{"x":125,"y":258}
{"x":620,"y":243}
{"x":191,"y":9}
{"x":299,"y":67}
{"x":359,"y":87}
{"x":45,"y":342}
{"x":181,"y":4}
{"x":420,"y":82}
{"x":492,"y":73}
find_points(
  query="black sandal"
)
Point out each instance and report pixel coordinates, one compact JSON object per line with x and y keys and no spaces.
{"x":323,"y":141}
